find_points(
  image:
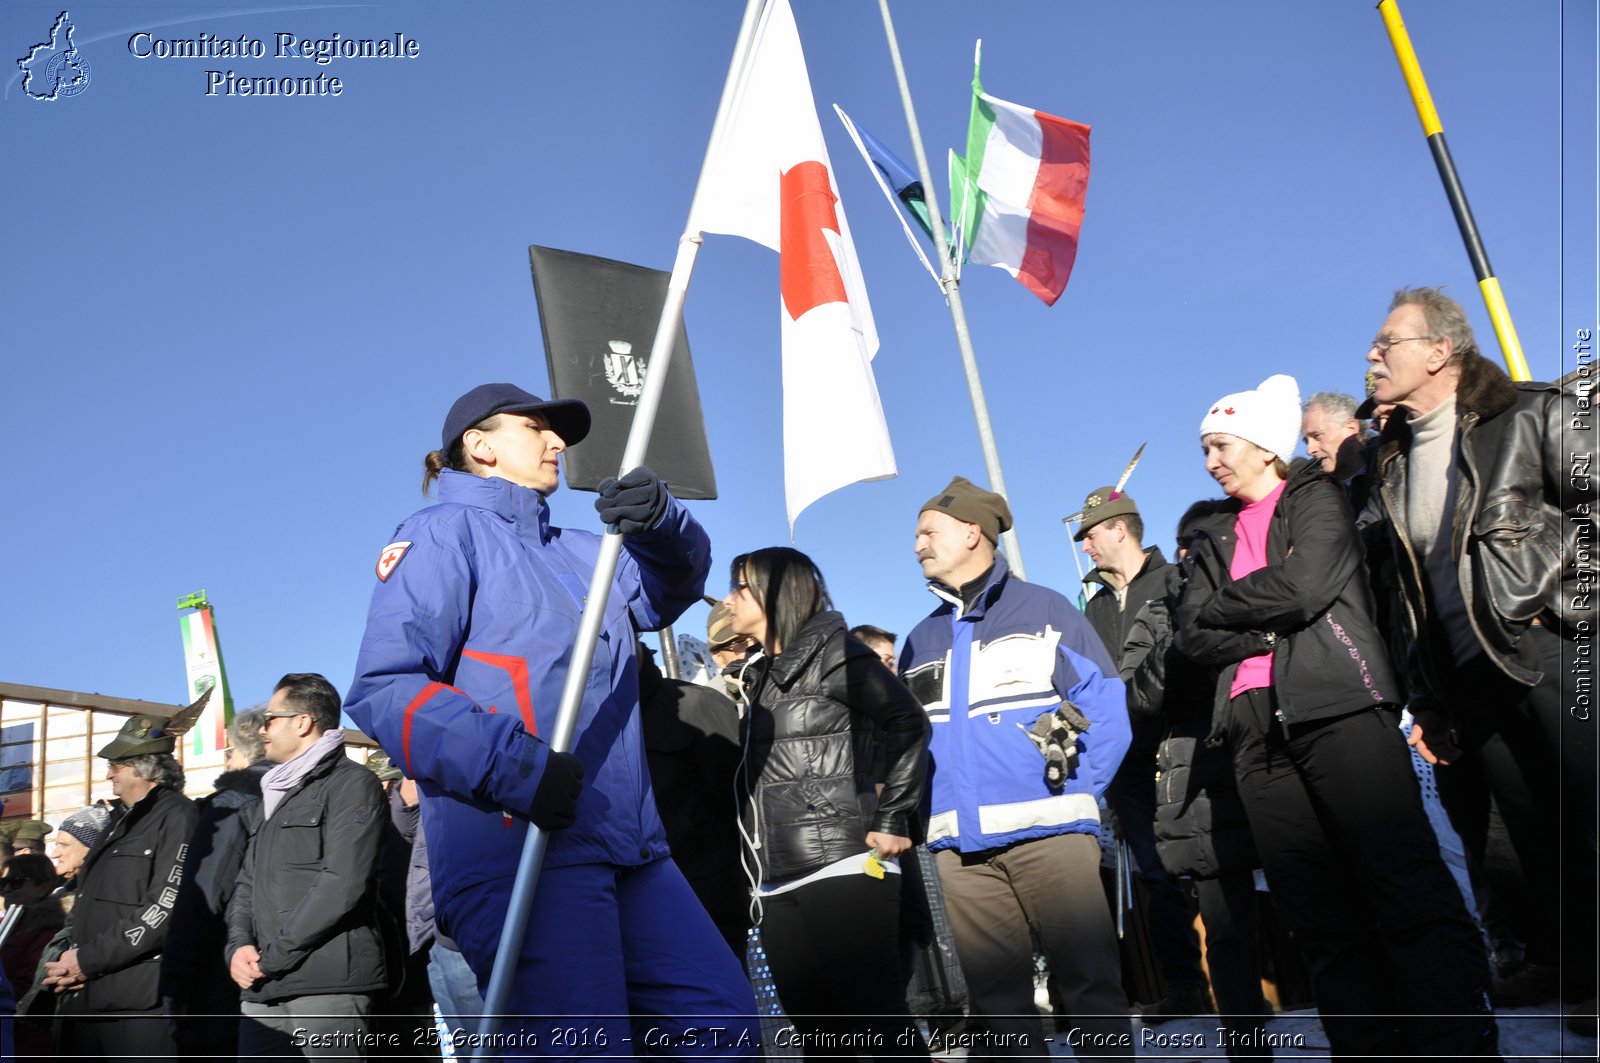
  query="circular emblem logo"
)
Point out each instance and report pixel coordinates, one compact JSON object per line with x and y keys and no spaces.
{"x":67,"y":73}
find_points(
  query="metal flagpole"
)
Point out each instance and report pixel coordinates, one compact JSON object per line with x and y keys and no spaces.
{"x":605,"y":567}
{"x":1488,"y":284}
{"x":952,"y":291}
{"x":669,"y":653}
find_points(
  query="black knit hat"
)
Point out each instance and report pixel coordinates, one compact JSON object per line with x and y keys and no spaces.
{"x":967,"y":502}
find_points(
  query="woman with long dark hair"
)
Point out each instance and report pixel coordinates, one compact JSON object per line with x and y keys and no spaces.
{"x":825,"y":723}
{"x":1276,"y":596}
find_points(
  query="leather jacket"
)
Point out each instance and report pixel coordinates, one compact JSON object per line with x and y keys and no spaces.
{"x":1524,"y":512}
{"x":821,"y":714}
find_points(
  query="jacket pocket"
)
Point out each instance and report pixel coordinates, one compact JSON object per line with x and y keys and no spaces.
{"x":299,"y":839}
{"x":125,"y":876}
{"x":1516,"y":556}
{"x":1013,"y":667}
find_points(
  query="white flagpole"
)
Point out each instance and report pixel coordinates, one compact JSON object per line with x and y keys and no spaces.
{"x":605,"y":567}
{"x":952,"y":290}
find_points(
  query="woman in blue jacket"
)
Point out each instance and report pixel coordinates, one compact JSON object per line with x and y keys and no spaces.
{"x":469,"y":637}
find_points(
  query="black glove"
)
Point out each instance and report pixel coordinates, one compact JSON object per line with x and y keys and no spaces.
{"x":555,"y":802}
{"x":636,"y":503}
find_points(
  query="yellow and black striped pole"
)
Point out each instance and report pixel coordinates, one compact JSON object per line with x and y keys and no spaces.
{"x":1488,"y":283}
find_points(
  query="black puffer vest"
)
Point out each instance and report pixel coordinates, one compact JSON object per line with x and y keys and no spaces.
{"x":807,"y":786}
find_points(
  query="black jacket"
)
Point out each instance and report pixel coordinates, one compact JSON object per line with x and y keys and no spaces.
{"x":1524,"y":517}
{"x":691,"y":742}
{"x":123,"y":911}
{"x":1200,"y":825}
{"x":1114,"y":622}
{"x":1311,"y":606}
{"x":193,"y":971}
{"x":308,"y":895}
{"x":816,"y":712}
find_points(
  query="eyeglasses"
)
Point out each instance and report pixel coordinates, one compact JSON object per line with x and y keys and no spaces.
{"x":1383,"y":343}
{"x":280,"y":716}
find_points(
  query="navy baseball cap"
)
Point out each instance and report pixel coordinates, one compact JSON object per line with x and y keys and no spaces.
{"x":569,"y":418}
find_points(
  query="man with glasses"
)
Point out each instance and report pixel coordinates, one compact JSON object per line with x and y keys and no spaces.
{"x":1491,"y":511}
{"x":303,"y":937}
{"x":880,"y":642}
{"x":110,"y":1005}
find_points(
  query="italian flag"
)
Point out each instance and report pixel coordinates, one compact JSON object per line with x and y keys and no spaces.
{"x":1018,"y":195}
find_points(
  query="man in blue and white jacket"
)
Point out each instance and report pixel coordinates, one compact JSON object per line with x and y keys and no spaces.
{"x":1002,"y":666}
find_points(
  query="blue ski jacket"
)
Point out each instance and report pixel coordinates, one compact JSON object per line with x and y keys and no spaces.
{"x":471,"y":628}
{"x":984,"y":675}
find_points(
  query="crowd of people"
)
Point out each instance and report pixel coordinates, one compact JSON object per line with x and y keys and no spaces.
{"x":777,"y":826}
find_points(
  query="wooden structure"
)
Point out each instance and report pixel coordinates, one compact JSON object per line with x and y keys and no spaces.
{"x":48,"y":739}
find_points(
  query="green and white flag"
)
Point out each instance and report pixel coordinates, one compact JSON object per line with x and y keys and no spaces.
{"x":202,"y":658}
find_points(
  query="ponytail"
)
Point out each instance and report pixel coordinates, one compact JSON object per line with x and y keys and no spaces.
{"x":433,"y":463}
{"x":436,"y":461}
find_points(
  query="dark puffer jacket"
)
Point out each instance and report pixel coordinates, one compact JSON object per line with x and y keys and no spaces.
{"x":818,"y":712}
{"x":123,"y":911}
{"x":307,"y":898}
{"x":1201,"y":829}
{"x":1311,"y":606}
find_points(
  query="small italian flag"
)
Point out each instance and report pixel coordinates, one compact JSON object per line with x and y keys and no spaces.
{"x":1017,"y":197}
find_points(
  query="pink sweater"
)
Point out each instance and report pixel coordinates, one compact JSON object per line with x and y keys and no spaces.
{"x":1250,"y":554}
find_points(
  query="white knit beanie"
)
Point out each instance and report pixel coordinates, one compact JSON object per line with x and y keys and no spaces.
{"x":1269,"y":416}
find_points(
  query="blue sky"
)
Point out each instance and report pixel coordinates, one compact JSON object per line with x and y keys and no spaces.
{"x":233,"y":325}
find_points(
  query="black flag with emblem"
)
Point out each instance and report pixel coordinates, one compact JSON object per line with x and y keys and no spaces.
{"x":599,"y":319}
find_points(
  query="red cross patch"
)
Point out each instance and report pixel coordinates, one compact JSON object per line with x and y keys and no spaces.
{"x":390,"y":558}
